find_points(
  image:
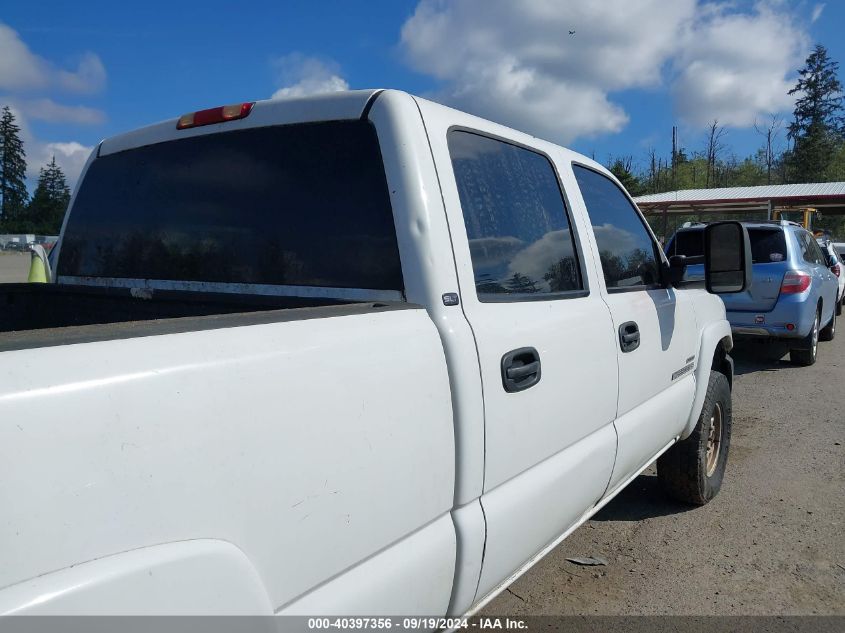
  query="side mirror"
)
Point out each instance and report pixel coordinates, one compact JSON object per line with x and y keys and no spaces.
{"x":727,"y":258}
{"x":678,"y":266}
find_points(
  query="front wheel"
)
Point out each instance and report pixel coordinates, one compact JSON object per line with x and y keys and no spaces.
{"x":693,"y":469}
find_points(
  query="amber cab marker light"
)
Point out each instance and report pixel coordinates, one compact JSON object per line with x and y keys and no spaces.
{"x":214,"y":115}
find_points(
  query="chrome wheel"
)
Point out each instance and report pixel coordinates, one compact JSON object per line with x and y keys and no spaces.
{"x":815,"y":346}
{"x":714,"y":439}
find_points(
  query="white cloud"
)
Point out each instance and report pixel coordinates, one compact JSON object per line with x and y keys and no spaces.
{"x":735,"y":67}
{"x":23,"y":73}
{"x":89,"y":76}
{"x":21,"y":69}
{"x":48,"y":110}
{"x":516,"y":62}
{"x":304,"y":76}
{"x":817,"y":13}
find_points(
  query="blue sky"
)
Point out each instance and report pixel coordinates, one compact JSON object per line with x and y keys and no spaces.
{"x":78,"y":72}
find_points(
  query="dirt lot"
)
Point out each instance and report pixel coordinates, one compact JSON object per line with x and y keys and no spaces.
{"x":773,"y":541}
{"x":14,"y":267}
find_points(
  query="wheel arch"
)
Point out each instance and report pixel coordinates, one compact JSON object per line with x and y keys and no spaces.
{"x":713,"y":355}
{"x":722,"y":362}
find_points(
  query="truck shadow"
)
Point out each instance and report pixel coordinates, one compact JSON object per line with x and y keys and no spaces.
{"x":642,"y":499}
{"x":751,"y":356}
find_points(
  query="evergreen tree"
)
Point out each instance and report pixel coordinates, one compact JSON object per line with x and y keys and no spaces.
{"x":622,"y":169}
{"x":13,"y":193}
{"x":49,"y":202}
{"x":818,"y":124}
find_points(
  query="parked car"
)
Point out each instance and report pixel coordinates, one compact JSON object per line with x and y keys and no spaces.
{"x":837,"y":267}
{"x":794,"y":294}
{"x":16,"y":247}
{"x":441,"y":346}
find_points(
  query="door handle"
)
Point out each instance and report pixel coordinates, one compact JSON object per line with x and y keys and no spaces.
{"x":518,"y":373}
{"x":629,"y":336}
{"x":520,"y":369}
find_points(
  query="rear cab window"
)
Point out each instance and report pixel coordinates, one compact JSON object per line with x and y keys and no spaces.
{"x":297,"y":205}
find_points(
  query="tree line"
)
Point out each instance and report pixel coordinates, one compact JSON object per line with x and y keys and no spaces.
{"x":42,"y":213}
{"x":815,"y":150}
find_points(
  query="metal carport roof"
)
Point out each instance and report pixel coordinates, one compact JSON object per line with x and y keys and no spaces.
{"x":820,"y":195}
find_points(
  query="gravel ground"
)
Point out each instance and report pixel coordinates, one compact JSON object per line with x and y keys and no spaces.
{"x":772,"y":542}
{"x":14,"y":267}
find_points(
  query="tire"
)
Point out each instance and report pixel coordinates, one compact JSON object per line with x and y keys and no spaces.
{"x":693,"y":469}
{"x":807,"y":353}
{"x":829,"y":331}
{"x":839,"y":306}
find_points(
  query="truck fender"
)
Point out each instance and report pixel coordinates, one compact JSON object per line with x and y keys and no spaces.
{"x":716,"y":342}
{"x":197,"y":577}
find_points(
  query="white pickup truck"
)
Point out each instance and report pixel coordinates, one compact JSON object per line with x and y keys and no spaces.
{"x":350,"y":354}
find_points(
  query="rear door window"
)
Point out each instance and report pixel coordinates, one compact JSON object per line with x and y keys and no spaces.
{"x":302,"y":205}
{"x":520,"y":236}
{"x":810,"y":249}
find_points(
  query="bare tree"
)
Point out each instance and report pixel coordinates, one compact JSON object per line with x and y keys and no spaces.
{"x":652,"y":172}
{"x":770,"y":133}
{"x":715,"y":133}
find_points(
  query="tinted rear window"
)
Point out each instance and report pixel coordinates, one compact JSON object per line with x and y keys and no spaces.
{"x":293,"y":205}
{"x":688,"y":243}
{"x":768,"y":246}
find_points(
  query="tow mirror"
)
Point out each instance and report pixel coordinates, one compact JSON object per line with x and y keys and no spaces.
{"x":727,"y":258}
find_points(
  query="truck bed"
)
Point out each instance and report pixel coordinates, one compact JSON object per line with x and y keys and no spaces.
{"x":42,"y":315}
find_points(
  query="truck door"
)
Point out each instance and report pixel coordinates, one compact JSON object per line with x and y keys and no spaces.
{"x":655,"y":326}
{"x":544,"y":338}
